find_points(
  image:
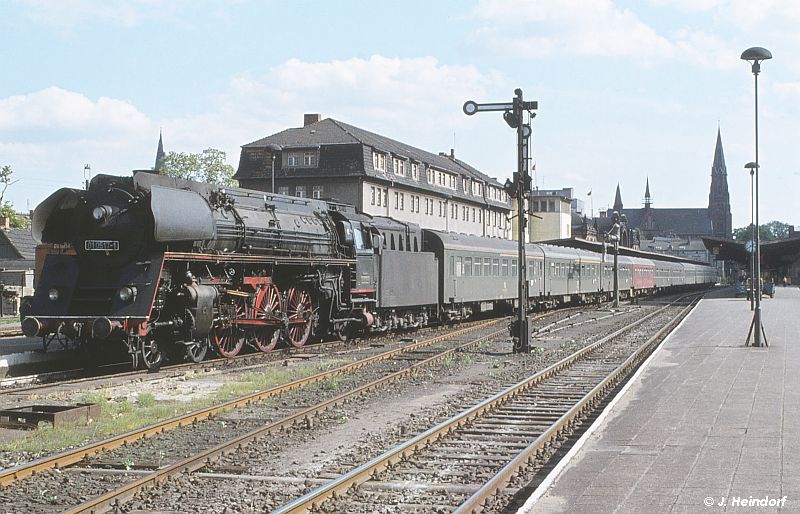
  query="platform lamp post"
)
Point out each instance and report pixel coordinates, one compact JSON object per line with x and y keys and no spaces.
{"x":273,"y":148}
{"x":614,"y":235}
{"x":752,"y":243}
{"x":520,"y":189}
{"x":755,"y":55}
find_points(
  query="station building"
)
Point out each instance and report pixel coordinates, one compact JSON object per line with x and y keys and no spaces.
{"x":329,"y":159}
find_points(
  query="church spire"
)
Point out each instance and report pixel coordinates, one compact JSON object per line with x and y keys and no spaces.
{"x":718,"y":168}
{"x":647,"y":199}
{"x":160,"y":155}
{"x":719,"y":202}
{"x":618,"y":201}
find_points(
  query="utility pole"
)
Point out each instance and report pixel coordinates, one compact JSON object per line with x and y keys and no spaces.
{"x":520,"y":190}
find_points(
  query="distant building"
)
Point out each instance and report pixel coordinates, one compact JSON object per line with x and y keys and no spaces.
{"x":551,"y":215}
{"x":380,"y":176}
{"x":654,"y":226}
{"x":17,"y":256}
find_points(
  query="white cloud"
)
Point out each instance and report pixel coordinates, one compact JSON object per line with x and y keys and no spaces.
{"x":595,"y":28}
{"x":58,"y":109}
{"x":536,"y":28}
{"x":407,"y":99}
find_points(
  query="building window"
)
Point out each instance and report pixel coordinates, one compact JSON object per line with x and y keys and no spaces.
{"x":283,"y":190}
{"x":440,"y":208}
{"x":473,"y":214}
{"x":396,"y":200}
{"x":372,"y":195}
{"x":379,"y":161}
{"x":309,"y":159}
{"x":293,"y":160}
{"x":317,"y":192}
{"x":415,"y":171}
{"x":399,"y":167}
{"x":300,"y":191}
{"x":402,"y":201}
{"x":378,"y":196}
{"x":452,"y":182}
{"x":464,"y":187}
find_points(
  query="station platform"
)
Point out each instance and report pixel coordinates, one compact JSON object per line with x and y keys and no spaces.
{"x":707,"y":425}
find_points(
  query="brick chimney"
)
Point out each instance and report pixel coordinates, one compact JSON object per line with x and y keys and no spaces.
{"x":308,"y":119}
{"x":6,"y":223}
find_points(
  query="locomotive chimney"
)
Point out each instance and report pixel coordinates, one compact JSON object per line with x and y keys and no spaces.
{"x":308,"y":119}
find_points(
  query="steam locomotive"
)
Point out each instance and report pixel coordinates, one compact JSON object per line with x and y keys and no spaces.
{"x":173,"y":267}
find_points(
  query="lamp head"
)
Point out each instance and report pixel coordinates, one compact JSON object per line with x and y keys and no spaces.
{"x":752,"y":167}
{"x":755,"y":55}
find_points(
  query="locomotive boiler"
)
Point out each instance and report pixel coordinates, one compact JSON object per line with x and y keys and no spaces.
{"x":173,"y":266}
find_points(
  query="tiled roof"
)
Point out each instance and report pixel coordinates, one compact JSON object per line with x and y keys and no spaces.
{"x":22,"y":241}
{"x":334,"y":132}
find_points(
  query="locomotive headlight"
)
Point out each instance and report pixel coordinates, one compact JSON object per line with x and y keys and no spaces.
{"x":100,"y":212}
{"x":127,"y":293}
{"x":53,"y":294}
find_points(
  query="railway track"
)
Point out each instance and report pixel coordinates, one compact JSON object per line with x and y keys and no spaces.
{"x":478,"y":459}
{"x":476,"y":335}
{"x":40,"y":382}
{"x":65,"y":459}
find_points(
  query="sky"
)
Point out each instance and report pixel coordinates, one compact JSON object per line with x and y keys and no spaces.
{"x":627,"y":90}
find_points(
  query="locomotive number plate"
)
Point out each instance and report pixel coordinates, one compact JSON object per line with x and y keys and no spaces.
{"x":101,"y":246}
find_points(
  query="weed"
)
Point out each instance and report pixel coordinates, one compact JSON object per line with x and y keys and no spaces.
{"x":117,"y":417}
{"x":145,"y":400}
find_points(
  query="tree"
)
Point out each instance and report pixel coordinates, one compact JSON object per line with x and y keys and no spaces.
{"x":767,"y":232}
{"x":207,"y":166}
{"x":6,"y":207}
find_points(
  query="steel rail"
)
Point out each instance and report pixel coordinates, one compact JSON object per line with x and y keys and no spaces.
{"x":313,"y":500}
{"x":11,"y":475}
{"x":167,"y":371}
{"x":114,"y":498}
{"x":503,"y":477}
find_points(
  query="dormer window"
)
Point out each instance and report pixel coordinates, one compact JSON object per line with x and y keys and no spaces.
{"x":293,"y":160}
{"x":309,"y":159}
{"x":379,"y":161}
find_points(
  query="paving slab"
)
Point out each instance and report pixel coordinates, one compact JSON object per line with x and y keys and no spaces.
{"x":707,"y":426}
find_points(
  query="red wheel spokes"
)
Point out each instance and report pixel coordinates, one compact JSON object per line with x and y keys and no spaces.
{"x":299,"y":310}
{"x":267,"y":306}
{"x":228,"y":339}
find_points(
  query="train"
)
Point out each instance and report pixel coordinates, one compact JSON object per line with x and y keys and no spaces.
{"x":172,"y":268}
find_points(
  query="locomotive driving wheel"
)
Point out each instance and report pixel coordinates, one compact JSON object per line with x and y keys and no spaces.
{"x":196,"y":350}
{"x":149,"y":353}
{"x":267,"y":307}
{"x":227,"y":338}
{"x":299,"y":312}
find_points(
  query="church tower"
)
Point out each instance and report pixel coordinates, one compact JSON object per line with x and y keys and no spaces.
{"x":618,"y":201}
{"x":719,"y":203}
{"x":160,"y":155}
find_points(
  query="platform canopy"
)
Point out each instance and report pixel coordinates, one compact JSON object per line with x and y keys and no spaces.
{"x":774,"y":254}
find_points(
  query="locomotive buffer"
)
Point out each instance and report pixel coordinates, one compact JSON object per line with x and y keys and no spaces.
{"x":519,"y":189}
